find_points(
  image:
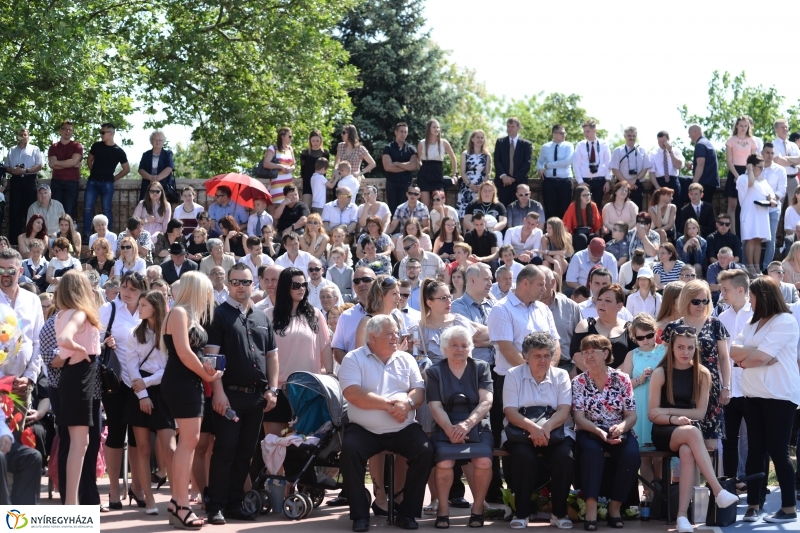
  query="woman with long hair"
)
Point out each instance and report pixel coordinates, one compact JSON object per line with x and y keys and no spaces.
{"x":302,"y":337}
{"x":556,"y":246}
{"x":232,"y":237}
{"x":280,"y":157}
{"x":66,"y":229}
{"x":792,"y":214}
{"x":439,"y":212}
{"x":308,"y":160}
{"x":183,"y":338}
{"x":102,"y":259}
{"x":411,"y":227}
{"x":129,"y":260}
{"x":476,"y":168}
{"x":669,"y":310}
{"x":756,"y":197}
{"x":431,"y":151}
{"x":489,"y":204}
{"x":458,"y":282}
{"x":351,"y":150}
{"x":315,"y":239}
{"x":739,"y":146}
{"x":60,"y":264}
{"x":621,"y":209}
{"x":147,"y":410}
{"x":382,"y":299}
{"x":582,"y":219}
{"x":383,"y":242}
{"x":679,"y":394}
{"x":447,"y":238}
{"x":668,"y":267}
{"x":78,"y":338}
{"x":36,"y":228}
{"x":663,"y":213}
{"x":154,"y":211}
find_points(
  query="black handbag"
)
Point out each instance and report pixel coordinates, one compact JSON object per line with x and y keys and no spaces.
{"x":539,"y":415}
{"x":260,"y":171}
{"x":110,"y":367}
{"x":456,"y":417}
{"x":727,"y":516}
{"x":170,"y":191}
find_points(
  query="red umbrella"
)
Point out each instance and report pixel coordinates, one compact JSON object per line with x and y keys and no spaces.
{"x":244,"y":189}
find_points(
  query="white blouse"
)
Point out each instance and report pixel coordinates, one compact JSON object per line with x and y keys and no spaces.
{"x":778,"y":338}
{"x":650,"y":305}
{"x":155,"y":364}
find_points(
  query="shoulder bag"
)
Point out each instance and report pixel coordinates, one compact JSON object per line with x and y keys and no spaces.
{"x":110,"y":367}
{"x":260,"y":171}
{"x":456,"y":417}
{"x":170,"y":190}
{"x":538,"y":415}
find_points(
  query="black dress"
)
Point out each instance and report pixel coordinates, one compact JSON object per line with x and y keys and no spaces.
{"x":682,"y":389}
{"x":620,"y":345}
{"x":183,"y":390}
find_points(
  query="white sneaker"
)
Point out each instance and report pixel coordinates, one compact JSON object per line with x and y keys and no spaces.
{"x":431,"y":509}
{"x":519,"y":523}
{"x":726,"y":499}
{"x":560,"y":523}
{"x":683,"y":525}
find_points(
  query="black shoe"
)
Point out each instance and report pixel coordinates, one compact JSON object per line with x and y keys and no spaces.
{"x":338,"y":502}
{"x":460,"y":503}
{"x":751,"y":515}
{"x":781,"y":517}
{"x":217,"y":518}
{"x":115,"y":505}
{"x":360,"y":524}
{"x":407,"y":522}
{"x":133,"y":498}
{"x":240,"y":514}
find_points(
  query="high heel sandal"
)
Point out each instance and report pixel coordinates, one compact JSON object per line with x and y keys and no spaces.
{"x":475,"y":520}
{"x":615,"y":522}
{"x":172,"y":513}
{"x":442,"y":522}
{"x":590,"y":525}
{"x":117,"y":506}
{"x":186,"y":522}
{"x":133,"y":498}
{"x":160,"y":482}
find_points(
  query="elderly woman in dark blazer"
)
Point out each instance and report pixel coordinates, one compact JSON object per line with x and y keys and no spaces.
{"x":156,"y":164}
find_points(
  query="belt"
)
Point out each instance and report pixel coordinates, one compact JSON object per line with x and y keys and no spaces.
{"x":248,"y":390}
{"x":791,"y":175}
{"x":666,"y":177}
{"x":558,"y":179}
{"x":594,"y":178}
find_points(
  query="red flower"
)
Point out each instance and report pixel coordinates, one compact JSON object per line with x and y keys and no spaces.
{"x":545,"y":492}
{"x":6,"y":382}
{"x":658,"y":336}
{"x":28,"y":438}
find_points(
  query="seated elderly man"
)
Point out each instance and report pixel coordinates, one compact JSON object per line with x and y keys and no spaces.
{"x":545,"y":450}
{"x":25,"y":464}
{"x":383,"y":387}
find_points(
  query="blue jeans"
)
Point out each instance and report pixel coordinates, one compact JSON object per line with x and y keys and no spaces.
{"x":106,"y":191}
{"x":769,"y":253}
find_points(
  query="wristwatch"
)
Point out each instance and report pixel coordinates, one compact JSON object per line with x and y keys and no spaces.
{"x":411,"y":402}
{"x":273,"y":389}
{"x":727,"y":388}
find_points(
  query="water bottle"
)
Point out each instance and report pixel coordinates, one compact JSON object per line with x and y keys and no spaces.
{"x":415,"y":337}
{"x":230,"y":414}
{"x":644,"y":508}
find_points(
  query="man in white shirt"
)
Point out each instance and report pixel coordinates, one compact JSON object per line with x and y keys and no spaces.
{"x":775,"y":175}
{"x":294,"y":256}
{"x":504,"y":283}
{"x":787,"y":154}
{"x":52,"y":210}
{"x":532,"y":234}
{"x":590,"y":162}
{"x":665,"y":166}
{"x":24,"y":161}
{"x":383,"y":387}
{"x":316,"y":283}
{"x":599,"y":278}
{"x":432,"y":265}
{"x":217,"y":277}
{"x":341,"y":212}
{"x":554,"y":167}
{"x":585,"y":260}
{"x":268,"y":283}
{"x":630,"y":163}
{"x":344,"y":339}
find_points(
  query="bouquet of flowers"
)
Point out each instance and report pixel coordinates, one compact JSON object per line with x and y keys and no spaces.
{"x":541,"y":501}
{"x":576,"y":508}
{"x":12,"y":405}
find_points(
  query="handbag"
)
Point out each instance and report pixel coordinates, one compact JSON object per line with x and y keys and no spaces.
{"x":260,"y":171}
{"x":170,"y":191}
{"x":110,"y":367}
{"x":727,"y":516}
{"x":537,"y":414}
{"x":456,"y":417}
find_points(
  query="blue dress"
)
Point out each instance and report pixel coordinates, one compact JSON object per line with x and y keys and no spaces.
{"x":641,"y":361}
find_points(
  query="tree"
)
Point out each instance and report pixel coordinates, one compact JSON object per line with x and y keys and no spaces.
{"x":474,"y":109}
{"x":402,"y":72}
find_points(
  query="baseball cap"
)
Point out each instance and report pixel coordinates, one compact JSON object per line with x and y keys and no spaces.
{"x":597,"y":246}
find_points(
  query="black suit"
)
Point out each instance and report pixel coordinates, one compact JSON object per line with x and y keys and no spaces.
{"x":708,"y":224}
{"x":523,"y":157}
{"x":168,"y":270}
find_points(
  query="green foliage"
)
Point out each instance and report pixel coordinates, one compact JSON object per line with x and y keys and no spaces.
{"x":403,"y":73}
{"x":192,"y":161}
{"x":474,"y":109}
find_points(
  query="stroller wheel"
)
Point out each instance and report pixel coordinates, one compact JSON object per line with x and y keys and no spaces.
{"x":266,"y":501}
{"x":252,"y":503}
{"x":309,"y":504}
{"x":294,"y":507}
{"x":317,"y":496}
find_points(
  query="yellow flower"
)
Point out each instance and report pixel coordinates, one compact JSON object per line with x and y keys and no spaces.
{"x":4,"y":337}
{"x":3,"y":356}
{"x":11,"y":320}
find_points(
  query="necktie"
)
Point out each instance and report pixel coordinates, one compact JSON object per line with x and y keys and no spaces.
{"x":511,"y":157}
{"x":258,"y":225}
{"x":697,"y":210}
{"x":666,"y":166}
{"x":555,"y":158}
{"x":592,"y":157}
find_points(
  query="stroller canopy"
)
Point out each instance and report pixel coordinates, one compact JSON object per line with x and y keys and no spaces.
{"x":315,"y":399}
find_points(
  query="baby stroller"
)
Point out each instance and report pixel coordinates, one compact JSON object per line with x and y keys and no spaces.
{"x":319,"y":411}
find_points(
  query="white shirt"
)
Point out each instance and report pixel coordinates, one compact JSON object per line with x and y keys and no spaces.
{"x":735,"y":322}
{"x":778,"y":338}
{"x":411,"y":317}
{"x":352,"y":183}
{"x":301,"y":261}
{"x":392,"y":380}
{"x":253,"y":229}
{"x":775,"y":175}
{"x":657,"y":163}
{"x":580,"y":160}
{"x":649,"y":305}
{"x":264,"y":304}
{"x":344,"y":338}
{"x":497,"y":293}
{"x":135,"y":354}
{"x":784,"y":148}
{"x":319,"y":190}
{"x":335,"y":216}
{"x":581,"y":264}
{"x":520,"y":389}
{"x":181,"y":214}
{"x":222,"y":296}
{"x":637,"y":160}
{"x":124,"y":322}
{"x":110,"y":237}
{"x":589,"y":310}
{"x":514,"y":238}
{"x":314,"y":290}
{"x":140,"y":266}
{"x":30,"y":318}
{"x":511,"y":320}
{"x":265,"y":261}
{"x":30,"y":156}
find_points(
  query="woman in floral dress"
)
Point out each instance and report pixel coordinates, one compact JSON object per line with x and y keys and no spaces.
{"x":476,"y":166}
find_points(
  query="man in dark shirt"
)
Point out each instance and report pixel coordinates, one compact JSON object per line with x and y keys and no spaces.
{"x":104,"y":156}
{"x":65,"y":157}
{"x":248,"y":387}
{"x":399,"y":160}
{"x":704,"y":163}
{"x":723,"y":238}
{"x":291,"y":215}
{"x":518,"y":210}
{"x":483,"y":243}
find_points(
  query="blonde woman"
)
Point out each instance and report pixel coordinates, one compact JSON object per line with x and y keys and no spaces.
{"x":476,"y":168}
{"x":791,"y":265}
{"x":556,"y":245}
{"x":669,"y":311}
{"x":315,"y":239}
{"x":129,"y":260}
{"x":156,"y":165}
{"x":431,"y":151}
{"x":154,"y":211}
{"x":183,"y":339}
{"x":102,"y":259}
{"x":487,"y":203}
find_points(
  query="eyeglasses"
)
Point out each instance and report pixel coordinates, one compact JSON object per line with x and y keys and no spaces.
{"x":345,"y":196}
{"x":296,"y":286}
{"x":104,"y":132}
{"x":588,"y":195}
{"x":405,"y":295}
{"x":412,"y":193}
{"x":8,"y":271}
{"x":689,"y":276}
{"x":776,"y":271}
{"x":314,"y":269}
{"x":523,"y":194}
{"x":365,"y":279}
{"x":237,"y":282}
{"x":220,"y":196}
{"x":699,"y":301}
{"x":591,"y":354}
{"x":445,"y":298}
{"x":684,"y":330}
{"x":723,"y":224}
{"x":155,"y":191}
{"x":126,"y":247}
{"x":645,"y":337}
{"x":410,"y":246}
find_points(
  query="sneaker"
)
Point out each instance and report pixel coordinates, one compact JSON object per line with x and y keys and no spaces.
{"x":560,"y":523}
{"x":519,"y":523}
{"x":751,"y":515}
{"x":780,"y":517}
{"x":683,"y":525}
{"x":726,"y":499}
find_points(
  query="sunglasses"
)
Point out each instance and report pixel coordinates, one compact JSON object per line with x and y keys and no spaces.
{"x":238,"y":282}
{"x":776,"y":271}
{"x":126,"y":247}
{"x":683,"y":330}
{"x":154,"y":191}
{"x":410,"y":246}
{"x":524,"y":194}
{"x":412,"y":193}
{"x":594,"y":353}
{"x":404,"y":295}
{"x":724,"y":224}
{"x":388,"y":282}
{"x":365,"y":279}
{"x":314,"y":269}
{"x":645,"y":337}
{"x":699,"y":301}
{"x":8,"y":271}
{"x":296,"y":286}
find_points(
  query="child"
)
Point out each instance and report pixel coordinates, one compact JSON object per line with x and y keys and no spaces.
{"x":259,"y":218}
{"x":644,"y":298}
{"x":619,"y":244}
{"x":639,"y":365}
{"x":461,"y":257}
{"x":196,"y":247}
{"x":338,"y":239}
{"x":581,"y":294}
{"x":339,"y":273}
{"x":255,"y":258}
{"x":320,"y":185}
{"x":346,"y":179}
{"x":507,"y":256}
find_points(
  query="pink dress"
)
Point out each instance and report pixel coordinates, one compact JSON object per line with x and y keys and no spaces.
{"x":299,"y":348}
{"x":285,"y":157}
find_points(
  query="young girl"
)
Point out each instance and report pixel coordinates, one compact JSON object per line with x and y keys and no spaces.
{"x":78,"y":340}
{"x":187,"y":211}
{"x":154,"y":211}
{"x":663,"y":212}
{"x":411,"y":227}
{"x":443,"y":245}
{"x":678,"y":396}
{"x":556,"y":246}
{"x":458,"y":282}
{"x":66,"y":229}
{"x":61,"y":263}
{"x":315,"y":239}
{"x":280,"y":157}
{"x":582,"y":219}
{"x":432,"y":150}
{"x":507,"y":256}
{"x":644,"y":298}
{"x":639,"y":365}
{"x":338,"y":240}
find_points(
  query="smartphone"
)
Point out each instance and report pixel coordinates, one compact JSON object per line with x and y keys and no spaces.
{"x":220,"y":362}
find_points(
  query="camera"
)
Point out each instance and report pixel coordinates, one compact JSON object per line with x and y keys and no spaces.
{"x":593,"y":168}
{"x":632,"y":172}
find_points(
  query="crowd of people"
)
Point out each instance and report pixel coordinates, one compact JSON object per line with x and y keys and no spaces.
{"x":573,"y":333}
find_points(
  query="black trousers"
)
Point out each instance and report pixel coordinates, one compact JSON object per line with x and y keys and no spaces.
{"x":359,"y":445}
{"x":531,"y":467}
{"x":557,"y":195}
{"x":66,"y":192}
{"x":734,"y":414}
{"x":22,"y":190}
{"x":596,"y":187}
{"x":508,"y":194}
{"x":234,"y":444}
{"x":87,"y":486}
{"x":26,"y":465}
{"x":683,"y":197}
{"x":496,"y":418}
{"x":591,"y":455}
{"x":769,"y":429}
{"x":395,"y":191}
{"x":673,"y":183}
{"x":637,"y":196}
